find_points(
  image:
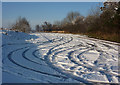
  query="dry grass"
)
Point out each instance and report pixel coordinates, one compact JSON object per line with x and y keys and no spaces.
{"x":111,"y":37}
{"x":58,"y":31}
{"x":105,"y":36}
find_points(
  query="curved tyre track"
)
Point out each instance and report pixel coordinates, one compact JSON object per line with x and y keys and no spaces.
{"x":10,"y":58}
{"x":23,"y":54}
{"x":41,"y":43}
{"x":70,"y":56}
{"x":58,"y":69}
{"x":58,"y":46}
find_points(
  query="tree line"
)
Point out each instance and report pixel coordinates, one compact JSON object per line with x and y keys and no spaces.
{"x":102,"y":22}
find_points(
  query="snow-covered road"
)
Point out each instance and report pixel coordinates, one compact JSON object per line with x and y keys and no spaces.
{"x":57,"y":58}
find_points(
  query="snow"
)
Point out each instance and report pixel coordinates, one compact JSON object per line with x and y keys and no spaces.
{"x":57,"y":58}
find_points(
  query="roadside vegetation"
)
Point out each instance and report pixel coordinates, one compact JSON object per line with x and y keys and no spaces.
{"x":101,"y":22}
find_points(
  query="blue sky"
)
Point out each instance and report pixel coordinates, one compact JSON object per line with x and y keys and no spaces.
{"x":38,"y":12}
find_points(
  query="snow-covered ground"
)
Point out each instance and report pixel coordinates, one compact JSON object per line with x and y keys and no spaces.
{"x":57,"y":58}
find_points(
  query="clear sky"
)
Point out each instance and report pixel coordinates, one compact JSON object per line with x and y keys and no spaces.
{"x":38,"y":12}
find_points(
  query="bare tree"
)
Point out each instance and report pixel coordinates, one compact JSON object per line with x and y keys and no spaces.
{"x":71,"y":17}
{"x":57,"y":23}
{"x":22,"y":25}
{"x":37,"y":28}
{"x":79,"y":20}
{"x":47,"y":26}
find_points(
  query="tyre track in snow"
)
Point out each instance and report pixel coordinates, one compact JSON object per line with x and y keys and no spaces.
{"x":70,"y":56}
{"x":55,"y":51}
{"x":10,"y":58}
{"x":25,"y":57}
{"x":89,"y":67}
{"x":24,"y":52}
{"x":21,"y":74}
{"x":47,"y":56}
{"x":40,"y":43}
{"x":50,"y":63}
{"x":33,"y":53}
{"x":13,"y":61}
